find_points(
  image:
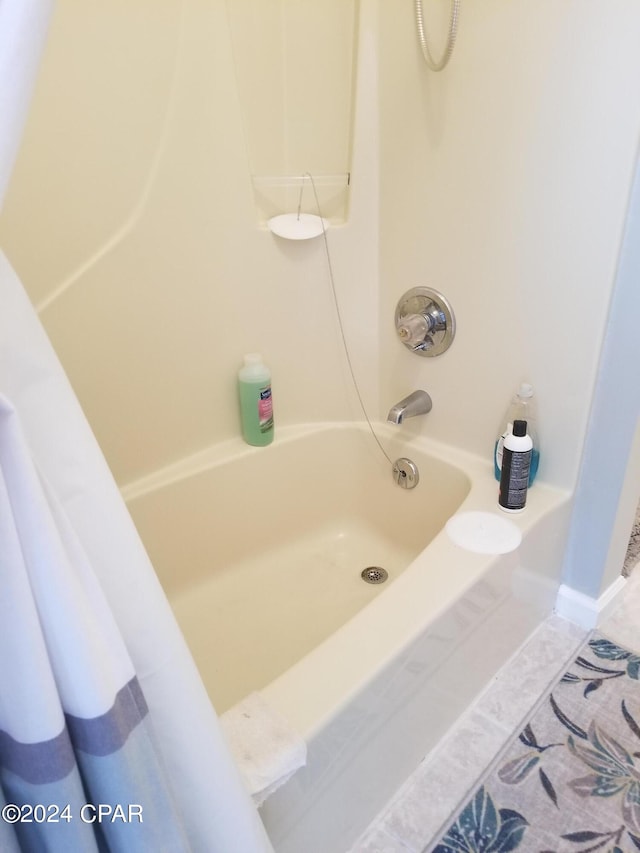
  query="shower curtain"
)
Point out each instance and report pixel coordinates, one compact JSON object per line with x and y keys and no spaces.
{"x":79,"y":768}
{"x":107,"y":738}
{"x":23,"y":28}
{"x":100,"y":701}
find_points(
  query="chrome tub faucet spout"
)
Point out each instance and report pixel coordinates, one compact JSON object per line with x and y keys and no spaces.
{"x":417,"y":403}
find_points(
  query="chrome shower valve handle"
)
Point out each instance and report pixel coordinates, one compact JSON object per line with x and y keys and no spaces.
{"x":425,"y":322}
{"x":414,"y":329}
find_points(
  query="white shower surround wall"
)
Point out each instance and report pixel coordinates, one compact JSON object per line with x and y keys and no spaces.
{"x":379,"y":691}
{"x":502,"y":182}
{"x":507,"y":189}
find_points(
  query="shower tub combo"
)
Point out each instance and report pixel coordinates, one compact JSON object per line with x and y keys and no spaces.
{"x":261,"y":552}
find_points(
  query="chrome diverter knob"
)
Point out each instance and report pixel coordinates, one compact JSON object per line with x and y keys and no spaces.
{"x":425,"y":321}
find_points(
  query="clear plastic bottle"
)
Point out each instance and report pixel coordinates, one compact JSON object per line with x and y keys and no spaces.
{"x":256,"y":403}
{"x":522,"y":407}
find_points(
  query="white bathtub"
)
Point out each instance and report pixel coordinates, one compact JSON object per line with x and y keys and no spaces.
{"x":260,"y":552}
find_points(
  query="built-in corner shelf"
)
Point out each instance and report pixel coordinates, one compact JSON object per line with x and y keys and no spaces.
{"x":314,"y":195}
{"x":295,"y":73}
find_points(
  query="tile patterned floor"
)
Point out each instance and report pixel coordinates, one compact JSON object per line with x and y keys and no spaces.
{"x":423,"y":807}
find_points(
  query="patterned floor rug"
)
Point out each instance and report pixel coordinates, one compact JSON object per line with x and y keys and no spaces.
{"x":633,"y":549}
{"x":570,"y":783}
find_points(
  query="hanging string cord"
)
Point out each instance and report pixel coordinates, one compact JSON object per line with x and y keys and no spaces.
{"x":340,"y":325}
{"x":451,"y":37}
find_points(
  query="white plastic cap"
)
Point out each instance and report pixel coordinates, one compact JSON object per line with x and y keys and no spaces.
{"x":252,"y":358}
{"x":525,"y":390}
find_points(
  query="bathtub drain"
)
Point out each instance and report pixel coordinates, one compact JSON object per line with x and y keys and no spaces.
{"x":374,"y":574}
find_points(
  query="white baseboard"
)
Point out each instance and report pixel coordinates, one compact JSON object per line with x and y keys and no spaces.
{"x":584,"y":610}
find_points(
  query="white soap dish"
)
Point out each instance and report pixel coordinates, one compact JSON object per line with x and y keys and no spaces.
{"x":297,"y":226}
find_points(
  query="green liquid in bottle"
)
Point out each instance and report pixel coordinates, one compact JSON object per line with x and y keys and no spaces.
{"x":256,"y":410}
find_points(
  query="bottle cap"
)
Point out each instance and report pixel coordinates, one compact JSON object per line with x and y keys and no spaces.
{"x":525,"y":390}
{"x":519,"y":428}
{"x":252,"y":358}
